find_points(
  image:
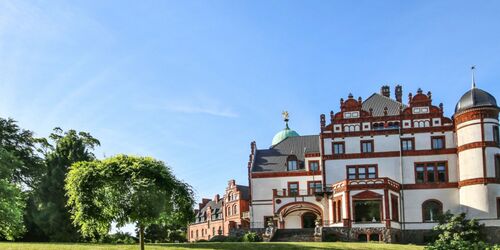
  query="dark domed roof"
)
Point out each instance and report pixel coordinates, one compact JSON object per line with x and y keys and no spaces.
{"x":475,"y":98}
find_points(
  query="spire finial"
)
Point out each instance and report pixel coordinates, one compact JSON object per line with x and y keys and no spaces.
{"x":473,"y":69}
{"x":285,"y":117}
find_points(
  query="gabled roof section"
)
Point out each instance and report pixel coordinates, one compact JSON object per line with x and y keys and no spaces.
{"x":215,"y":206}
{"x":274,"y":159}
{"x":244,"y":192}
{"x":378,"y":102}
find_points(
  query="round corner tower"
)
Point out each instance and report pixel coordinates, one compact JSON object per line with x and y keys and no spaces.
{"x":476,"y":125}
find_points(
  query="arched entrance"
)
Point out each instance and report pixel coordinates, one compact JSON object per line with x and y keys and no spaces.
{"x":299,"y":215}
{"x":308,"y":220}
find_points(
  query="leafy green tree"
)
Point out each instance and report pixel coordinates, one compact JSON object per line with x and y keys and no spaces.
{"x":11,"y":199}
{"x":126,"y":189}
{"x":457,"y":232}
{"x":26,"y":148}
{"x":53,"y":216}
{"x":28,"y":171}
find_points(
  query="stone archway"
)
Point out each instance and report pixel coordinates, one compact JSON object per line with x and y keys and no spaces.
{"x":299,"y":215}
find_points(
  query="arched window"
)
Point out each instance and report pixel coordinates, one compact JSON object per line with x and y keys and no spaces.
{"x":235,"y":209}
{"x":219,"y":232}
{"x":292,"y":163}
{"x":196,"y":234}
{"x":213,"y":231}
{"x":431,"y":210}
{"x":228,"y":212}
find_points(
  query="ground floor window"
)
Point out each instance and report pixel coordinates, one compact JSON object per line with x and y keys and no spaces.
{"x":394,"y":207}
{"x":367,"y":210}
{"x":498,"y":207}
{"x":431,"y":210}
{"x":337,"y":210}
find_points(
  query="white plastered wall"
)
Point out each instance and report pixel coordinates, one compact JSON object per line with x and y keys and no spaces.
{"x":413,"y":200}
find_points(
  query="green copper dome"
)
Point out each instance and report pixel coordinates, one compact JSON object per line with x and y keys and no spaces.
{"x":283,"y":134}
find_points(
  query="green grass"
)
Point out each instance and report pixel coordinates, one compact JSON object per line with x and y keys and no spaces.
{"x":204,"y":246}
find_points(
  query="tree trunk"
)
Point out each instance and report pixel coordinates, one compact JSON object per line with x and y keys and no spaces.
{"x":141,"y":236}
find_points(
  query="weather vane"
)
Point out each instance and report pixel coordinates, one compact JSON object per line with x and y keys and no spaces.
{"x":473,"y":69}
{"x":285,"y":115}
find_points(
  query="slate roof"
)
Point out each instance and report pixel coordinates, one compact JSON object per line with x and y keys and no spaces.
{"x":244,"y":192}
{"x":475,"y":98}
{"x":274,"y":159}
{"x":378,"y":102}
{"x":216,"y":210}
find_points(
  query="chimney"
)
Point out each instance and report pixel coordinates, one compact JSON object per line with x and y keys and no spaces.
{"x":385,"y":91}
{"x":217,"y":198}
{"x":204,"y":202}
{"x":399,"y":93}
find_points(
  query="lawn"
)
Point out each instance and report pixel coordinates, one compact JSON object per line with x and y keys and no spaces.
{"x":204,"y":246}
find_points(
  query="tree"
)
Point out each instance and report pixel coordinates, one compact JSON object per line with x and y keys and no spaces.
{"x":457,"y":232}
{"x":126,"y":189}
{"x":11,"y":199}
{"x":28,"y":170}
{"x":25,"y":147}
{"x":53,"y":216}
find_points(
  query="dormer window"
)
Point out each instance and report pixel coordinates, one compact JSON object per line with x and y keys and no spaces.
{"x":292,"y":163}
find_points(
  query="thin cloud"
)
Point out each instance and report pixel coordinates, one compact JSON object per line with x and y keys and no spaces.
{"x":197,"y":104}
{"x":195,"y":109}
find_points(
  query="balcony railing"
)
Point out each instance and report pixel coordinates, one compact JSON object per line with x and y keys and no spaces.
{"x":374,"y":183}
{"x":296,"y":192}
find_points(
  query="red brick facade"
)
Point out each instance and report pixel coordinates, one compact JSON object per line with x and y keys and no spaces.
{"x":230,"y":212}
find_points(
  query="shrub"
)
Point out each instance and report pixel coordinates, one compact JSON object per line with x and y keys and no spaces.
{"x":202,"y":240}
{"x":457,"y":232}
{"x":119,"y":238}
{"x":218,"y":238}
{"x":251,"y":237}
{"x":233,"y":239}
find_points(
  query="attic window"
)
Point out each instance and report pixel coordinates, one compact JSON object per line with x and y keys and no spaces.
{"x":292,"y":163}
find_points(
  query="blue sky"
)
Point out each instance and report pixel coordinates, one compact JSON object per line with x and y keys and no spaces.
{"x":194,"y":82}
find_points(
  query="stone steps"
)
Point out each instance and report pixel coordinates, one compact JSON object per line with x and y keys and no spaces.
{"x":294,"y":235}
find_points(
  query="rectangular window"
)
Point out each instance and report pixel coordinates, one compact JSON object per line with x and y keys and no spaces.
{"x":437,"y":142}
{"x":314,"y":187}
{"x":367,"y":211}
{"x":498,"y":207}
{"x":351,"y":173}
{"x":313,"y":165}
{"x":292,"y":165}
{"x":338,"y":148}
{"x":293,"y":188}
{"x":407,"y":144}
{"x":419,"y":173}
{"x":431,"y":172}
{"x":496,"y":135}
{"x":367,"y":146}
{"x":441,"y":172}
{"x":497,"y":167}
{"x":362,"y":172}
{"x":394,"y":207}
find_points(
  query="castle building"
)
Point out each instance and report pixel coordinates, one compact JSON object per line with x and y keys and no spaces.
{"x":221,"y":215}
{"x":382,"y":169}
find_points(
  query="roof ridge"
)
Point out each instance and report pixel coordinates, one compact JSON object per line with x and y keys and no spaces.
{"x":383,"y":96}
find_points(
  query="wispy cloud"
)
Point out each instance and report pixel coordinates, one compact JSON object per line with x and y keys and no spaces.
{"x":197,"y":104}
{"x":191,"y":108}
